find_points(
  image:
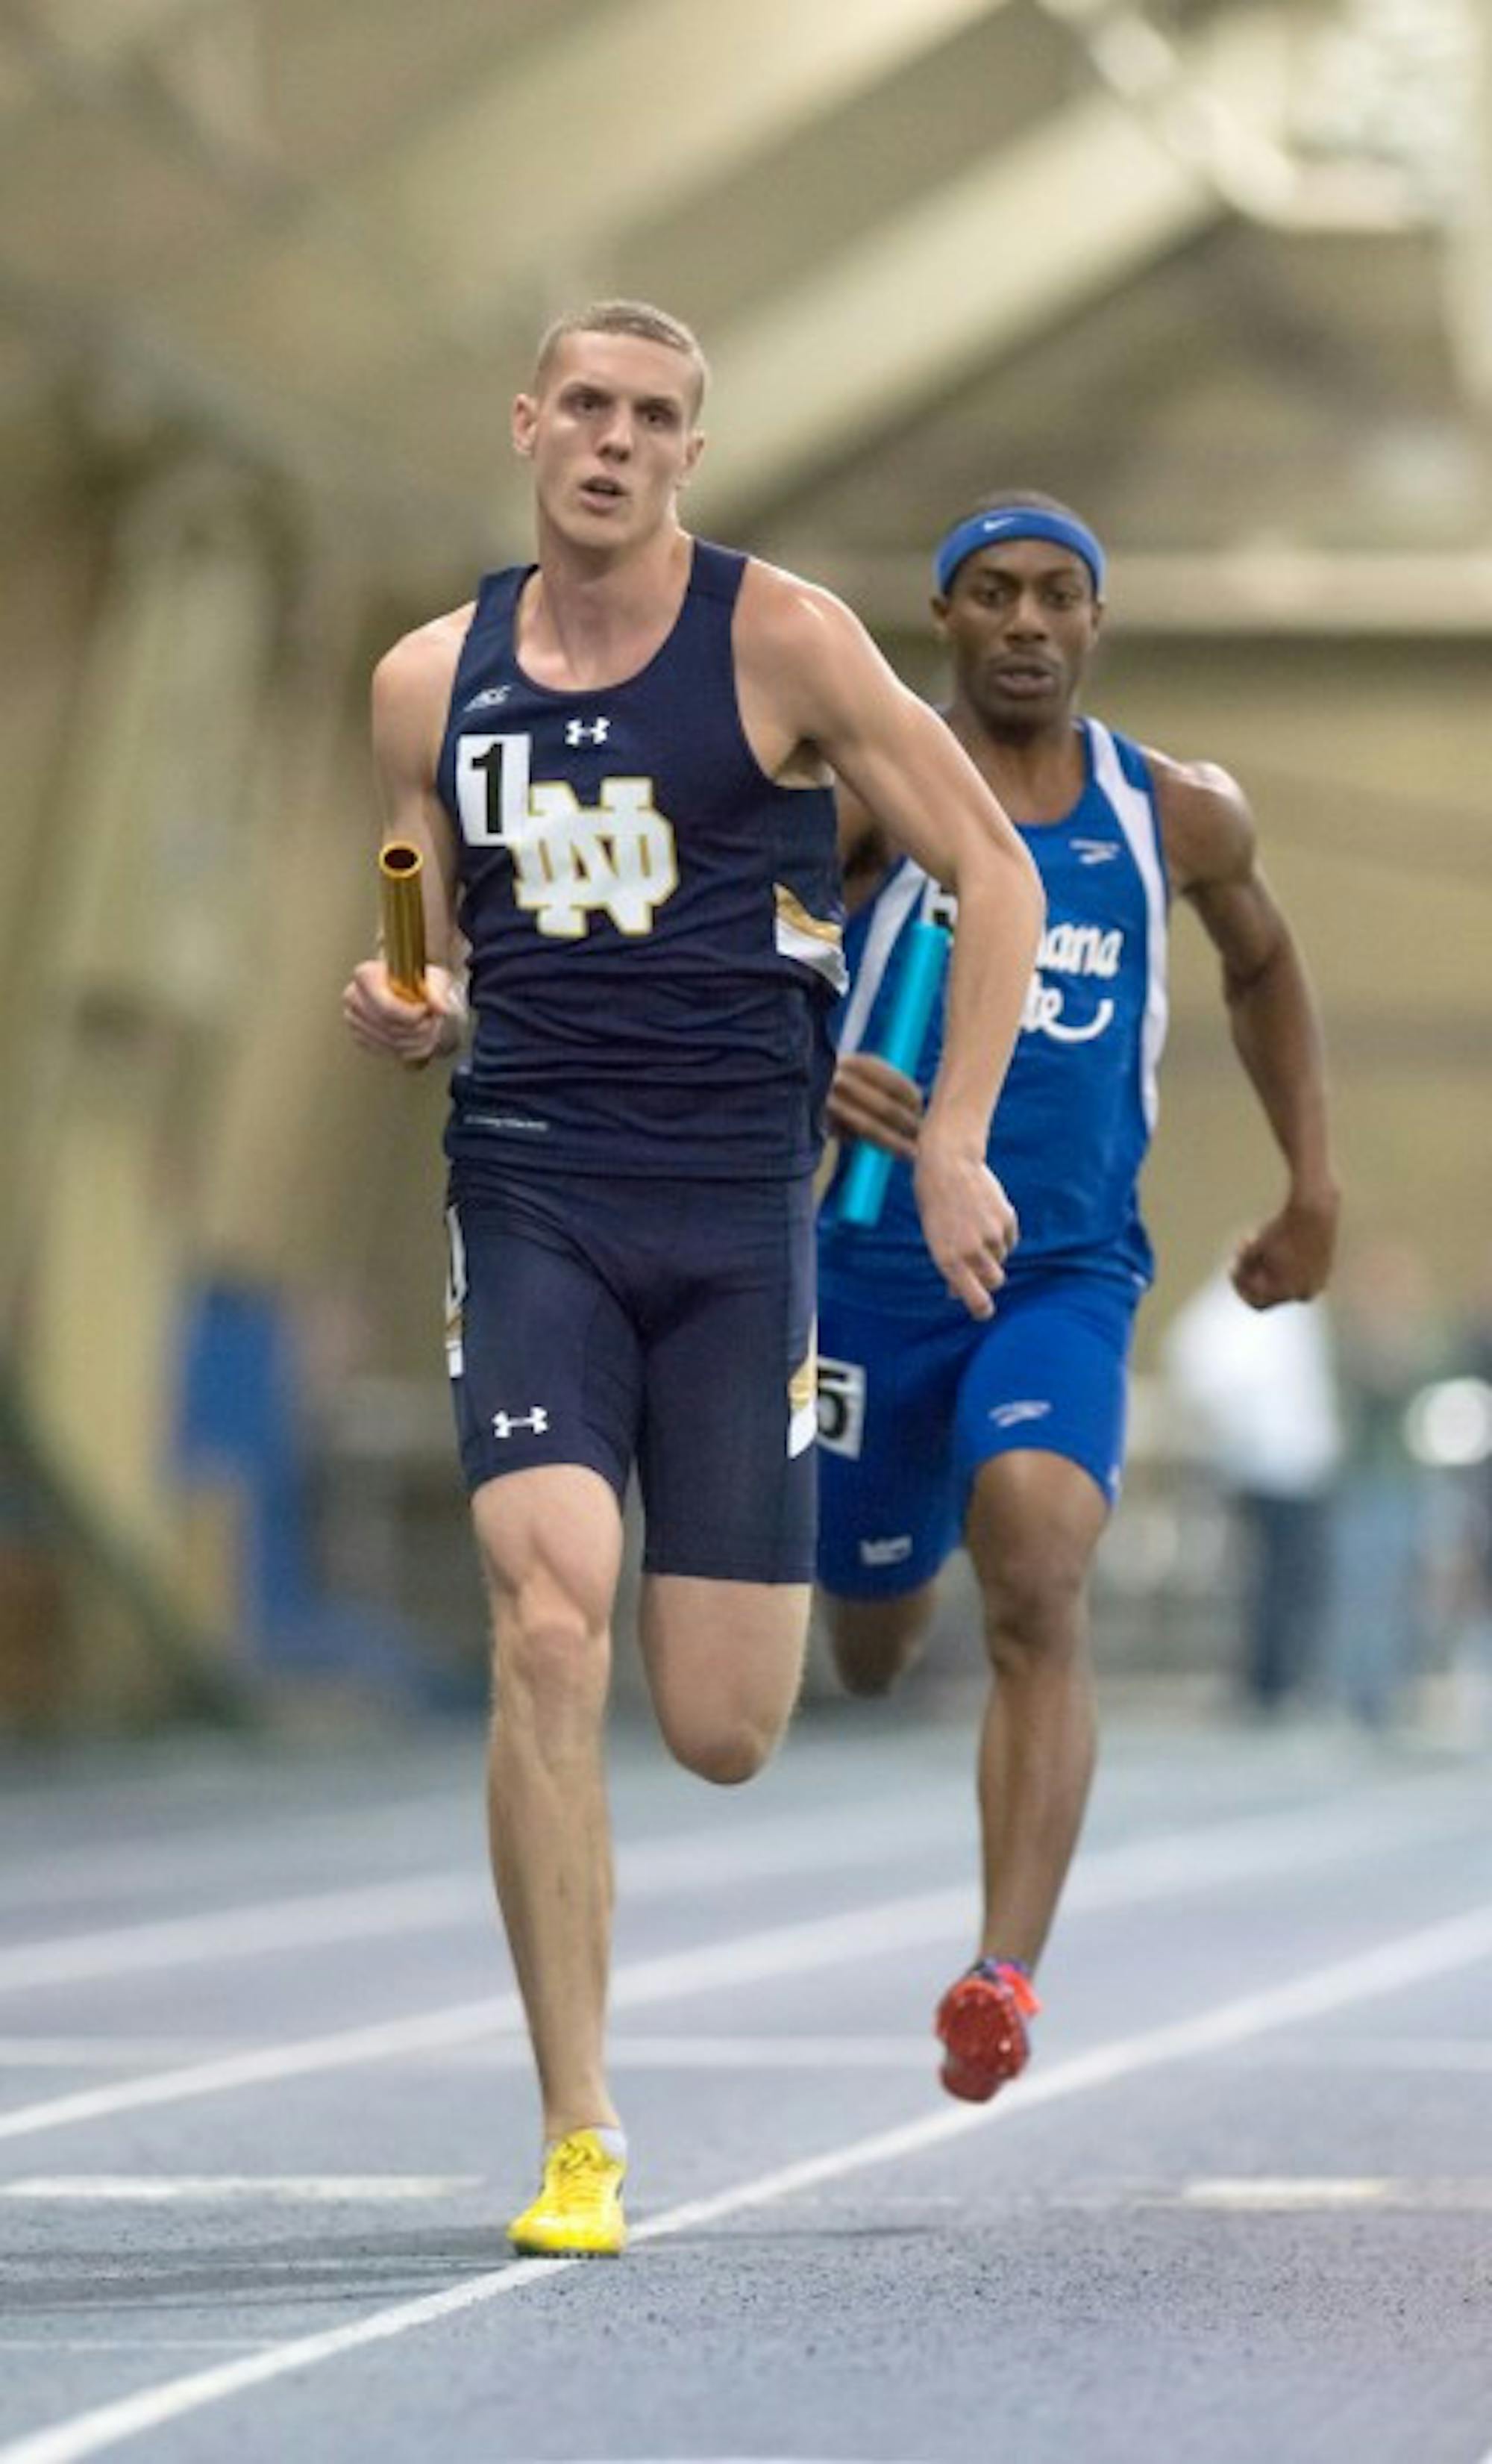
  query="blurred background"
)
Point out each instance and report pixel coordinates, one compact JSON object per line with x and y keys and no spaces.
{"x":1219,"y":271}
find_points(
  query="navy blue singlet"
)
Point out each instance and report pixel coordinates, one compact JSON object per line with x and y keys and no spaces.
{"x":655,"y":926}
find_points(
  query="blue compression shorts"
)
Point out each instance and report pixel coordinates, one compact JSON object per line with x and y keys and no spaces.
{"x":910,"y":1409}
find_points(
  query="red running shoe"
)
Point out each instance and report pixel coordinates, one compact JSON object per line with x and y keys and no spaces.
{"x":981,"y":2022}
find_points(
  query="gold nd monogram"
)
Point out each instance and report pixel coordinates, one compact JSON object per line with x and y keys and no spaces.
{"x":570,"y":860}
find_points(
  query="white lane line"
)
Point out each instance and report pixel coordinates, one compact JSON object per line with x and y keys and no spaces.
{"x":1255,"y":1846}
{"x":307,"y":1839}
{"x":627,"y":2053}
{"x":1167,"y":1866}
{"x":1283,"y":2196}
{"x":917,"y":1920}
{"x":136,"y":2345}
{"x":313,"y":2189}
{"x":719,"y":2053}
{"x":101,"y":2053}
{"x":623,"y":2052}
{"x":1434,"y":1950}
{"x":1292,"y":2195}
{"x":1448,"y":2054}
{"x":303,"y":1923}
{"x":649,"y":1870}
{"x":307,"y":1843}
{"x":781,"y":1950}
{"x":347,"y":2048}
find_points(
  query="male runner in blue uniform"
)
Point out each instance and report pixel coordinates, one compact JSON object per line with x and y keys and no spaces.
{"x":618,"y":761}
{"x":1009,"y":1434}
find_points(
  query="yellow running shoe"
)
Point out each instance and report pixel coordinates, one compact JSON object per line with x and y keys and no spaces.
{"x":577,"y":2213}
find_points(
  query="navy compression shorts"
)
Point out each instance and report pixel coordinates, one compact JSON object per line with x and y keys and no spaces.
{"x":665,"y":1325}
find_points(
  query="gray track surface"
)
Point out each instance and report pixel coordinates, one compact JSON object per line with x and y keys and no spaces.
{"x":1240,"y":2208}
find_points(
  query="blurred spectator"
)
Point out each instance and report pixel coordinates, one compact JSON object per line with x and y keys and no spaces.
{"x":1390,"y":1344}
{"x":1475,"y":1360}
{"x":1451,"y":1429}
{"x":1258,"y":1387}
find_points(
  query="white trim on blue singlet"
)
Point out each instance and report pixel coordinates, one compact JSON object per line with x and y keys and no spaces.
{"x":1137,"y":817}
{"x":895,"y":904}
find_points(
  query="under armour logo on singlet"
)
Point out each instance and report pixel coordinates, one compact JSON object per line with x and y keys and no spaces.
{"x":580,"y":731}
{"x":506,"y":1423}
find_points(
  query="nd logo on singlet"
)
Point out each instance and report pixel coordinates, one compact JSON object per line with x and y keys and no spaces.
{"x":570,"y":860}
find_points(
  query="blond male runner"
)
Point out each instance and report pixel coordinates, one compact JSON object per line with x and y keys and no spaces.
{"x":617,"y":763}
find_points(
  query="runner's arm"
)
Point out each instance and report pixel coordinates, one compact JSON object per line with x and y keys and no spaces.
{"x":1210,"y":853}
{"x":903,"y":765}
{"x":411,"y":688}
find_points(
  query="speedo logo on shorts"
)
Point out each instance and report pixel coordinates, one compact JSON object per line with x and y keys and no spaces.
{"x":842,"y":1407}
{"x":1009,"y":1416}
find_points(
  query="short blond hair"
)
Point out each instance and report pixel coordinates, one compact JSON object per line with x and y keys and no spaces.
{"x":636,"y":317}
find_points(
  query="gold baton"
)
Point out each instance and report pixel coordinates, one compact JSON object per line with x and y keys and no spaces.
{"x":400,"y":866}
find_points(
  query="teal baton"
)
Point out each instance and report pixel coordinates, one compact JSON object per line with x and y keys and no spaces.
{"x":919,"y":976}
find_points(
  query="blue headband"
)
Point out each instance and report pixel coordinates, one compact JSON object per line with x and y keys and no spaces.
{"x":1016,"y":522}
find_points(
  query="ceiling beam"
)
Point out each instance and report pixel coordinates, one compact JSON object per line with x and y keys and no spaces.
{"x":112,"y":30}
{"x":1469,"y":247}
{"x":1001,"y":252}
{"x":521,"y":193}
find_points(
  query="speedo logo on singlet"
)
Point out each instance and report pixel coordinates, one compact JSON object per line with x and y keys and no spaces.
{"x":1079,"y":951}
{"x":570,"y":860}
